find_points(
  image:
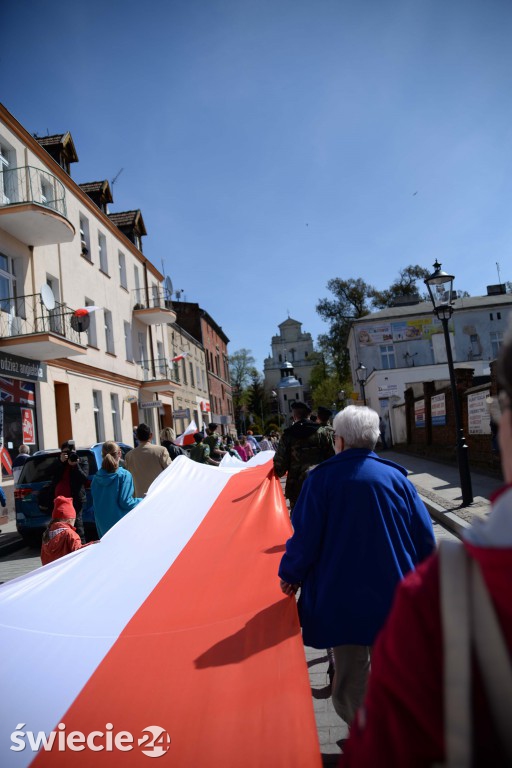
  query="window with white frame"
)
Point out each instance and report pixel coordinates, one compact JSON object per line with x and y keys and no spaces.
{"x":203,"y":379}
{"x":191,"y":371}
{"x":8,"y":179}
{"x":92,"y":334}
{"x":136,"y":278}
{"x":116,"y":419}
{"x":387,"y":356}
{"x":85,"y":239}
{"x":128,"y":344}
{"x":109,"y":331}
{"x":198,"y":376}
{"x":496,"y":342}
{"x":6,"y":283}
{"x":102,"y":251}
{"x":122,"y":270}
{"x":142,"y":351}
{"x":161,"y":358}
{"x":97,"y":406}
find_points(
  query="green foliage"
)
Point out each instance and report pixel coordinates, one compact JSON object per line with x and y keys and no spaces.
{"x":405,"y":285}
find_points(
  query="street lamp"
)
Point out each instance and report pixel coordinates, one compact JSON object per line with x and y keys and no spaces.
{"x":341,"y":398}
{"x":275,"y":397}
{"x":362,"y":375}
{"x":440,"y":286}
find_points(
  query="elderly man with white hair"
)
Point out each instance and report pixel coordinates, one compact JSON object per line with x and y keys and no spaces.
{"x":359,"y":528}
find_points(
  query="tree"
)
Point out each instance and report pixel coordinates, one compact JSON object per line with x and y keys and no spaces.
{"x":241,"y":366}
{"x":256,"y":398}
{"x":405,"y":285}
{"x":352,"y":299}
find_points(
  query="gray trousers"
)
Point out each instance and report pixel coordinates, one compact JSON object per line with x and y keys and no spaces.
{"x":351,"y":670}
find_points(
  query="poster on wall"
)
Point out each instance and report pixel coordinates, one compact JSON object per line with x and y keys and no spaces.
{"x":27,"y":425}
{"x":438,"y":410}
{"x":479,"y":418}
{"x":419,"y":413}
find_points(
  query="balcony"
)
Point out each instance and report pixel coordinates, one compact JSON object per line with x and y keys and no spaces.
{"x":33,"y":206}
{"x":29,"y":329}
{"x":166,"y":376}
{"x":152,"y":308}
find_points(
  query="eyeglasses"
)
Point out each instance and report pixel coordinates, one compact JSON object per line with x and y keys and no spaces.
{"x":497,"y":405}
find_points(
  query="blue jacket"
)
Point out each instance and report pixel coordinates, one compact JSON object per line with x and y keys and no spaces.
{"x":112,"y":496}
{"x":359,"y":527}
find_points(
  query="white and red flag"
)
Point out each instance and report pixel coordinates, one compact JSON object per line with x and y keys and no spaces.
{"x":187,"y":437}
{"x":179,"y":357}
{"x":169,"y":638}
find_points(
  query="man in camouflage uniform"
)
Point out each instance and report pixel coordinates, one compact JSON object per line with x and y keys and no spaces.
{"x":324,"y":414}
{"x":302,"y":446}
{"x":213,"y":442}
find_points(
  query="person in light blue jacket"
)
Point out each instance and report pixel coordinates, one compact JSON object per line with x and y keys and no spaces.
{"x":112,"y":489}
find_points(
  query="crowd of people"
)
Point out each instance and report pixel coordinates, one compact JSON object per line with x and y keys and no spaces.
{"x":362,"y":561}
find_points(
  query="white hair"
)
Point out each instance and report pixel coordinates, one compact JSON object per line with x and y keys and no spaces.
{"x":358,"y":426}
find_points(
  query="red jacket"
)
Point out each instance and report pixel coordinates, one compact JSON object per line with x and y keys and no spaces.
{"x":62,"y":539}
{"x":401,"y":724}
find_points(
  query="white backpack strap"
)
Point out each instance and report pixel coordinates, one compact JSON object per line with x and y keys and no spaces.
{"x":493,"y":659}
{"x":455,"y":615}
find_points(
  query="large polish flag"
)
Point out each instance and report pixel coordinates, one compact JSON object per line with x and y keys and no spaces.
{"x":168,"y":639}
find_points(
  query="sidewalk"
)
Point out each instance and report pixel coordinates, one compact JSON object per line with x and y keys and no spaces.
{"x":439,"y":486}
{"x":10,"y":540}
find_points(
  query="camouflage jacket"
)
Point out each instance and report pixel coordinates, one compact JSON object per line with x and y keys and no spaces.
{"x":302,"y":446}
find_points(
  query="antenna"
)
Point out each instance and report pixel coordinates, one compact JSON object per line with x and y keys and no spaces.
{"x":178,"y":293}
{"x":116,"y":177}
{"x":498,"y":268}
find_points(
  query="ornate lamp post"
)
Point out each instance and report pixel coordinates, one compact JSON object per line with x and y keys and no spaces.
{"x":341,"y":398}
{"x":362,"y":375}
{"x":440,"y":286}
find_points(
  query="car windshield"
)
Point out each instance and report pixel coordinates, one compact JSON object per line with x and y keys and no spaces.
{"x":38,"y":468}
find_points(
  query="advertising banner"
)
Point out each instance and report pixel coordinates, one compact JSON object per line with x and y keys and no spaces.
{"x":479,"y":418}
{"x":438,"y":410}
{"x":419,"y":413}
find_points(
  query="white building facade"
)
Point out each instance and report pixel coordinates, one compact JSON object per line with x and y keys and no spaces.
{"x":60,"y":251}
{"x":295,"y":347}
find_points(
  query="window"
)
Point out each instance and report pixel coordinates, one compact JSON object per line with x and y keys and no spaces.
{"x":142,"y":350}
{"x":98,"y":416}
{"x":116,"y":421}
{"x":6,"y":283}
{"x":109,"y":333}
{"x":161,"y":358}
{"x":155,"y":294}
{"x":128,"y":345}
{"x":102,"y":250}
{"x":85,"y":240}
{"x":92,"y":336}
{"x":203,"y":379}
{"x":498,"y":315}
{"x":198,"y":376}
{"x":191,"y":371}
{"x":8,"y":178}
{"x":496,"y":342}
{"x":122,"y":270}
{"x":387,"y":357}
{"x":184,"y":368}
{"x":136,"y":278}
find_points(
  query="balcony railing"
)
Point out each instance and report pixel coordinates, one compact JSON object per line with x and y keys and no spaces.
{"x":154,"y":298}
{"x":27,"y":184}
{"x":164,"y":371}
{"x":27,"y":315}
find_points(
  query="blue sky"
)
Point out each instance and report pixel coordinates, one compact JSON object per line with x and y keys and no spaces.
{"x":274,"y":144}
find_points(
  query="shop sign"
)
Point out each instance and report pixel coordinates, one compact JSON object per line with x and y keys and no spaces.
{"x":479,"y":418}
{"x":21,"y":368}
{"x":419,"y":413}
{"x":27,"y":423}
{"x":181,"y":413}
{"x":151,"y":404}
{"x":438,"y":410}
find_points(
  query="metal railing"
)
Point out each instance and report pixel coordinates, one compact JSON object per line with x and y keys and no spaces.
{"x":27,"y":184}
{"x":154,"y":298}
{"x":164,"y":370}
{"x":26,"y":315}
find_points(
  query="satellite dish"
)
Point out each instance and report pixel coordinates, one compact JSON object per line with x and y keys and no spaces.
{"x":168,"y":288}
{"x":80,"y":323}
{"x":47,"y":297}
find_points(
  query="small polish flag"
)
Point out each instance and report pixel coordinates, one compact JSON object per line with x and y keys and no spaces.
{"x":187,"y":437}
{"x":178,"y":357}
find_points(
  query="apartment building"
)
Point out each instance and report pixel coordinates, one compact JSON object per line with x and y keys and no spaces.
{"x":188,"y":358}
{"x":199,"y":324}
{"x":84,"y":346}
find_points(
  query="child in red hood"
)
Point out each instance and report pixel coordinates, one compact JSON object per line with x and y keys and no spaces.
{"x":60,"y":537}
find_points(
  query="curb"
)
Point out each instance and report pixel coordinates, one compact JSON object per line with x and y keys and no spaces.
{"x":448,"y":520}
